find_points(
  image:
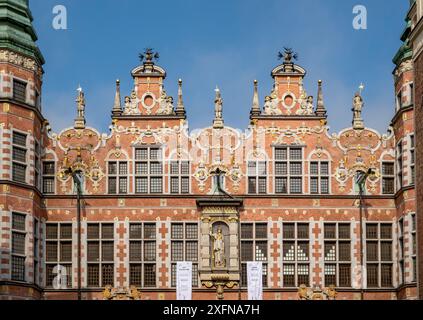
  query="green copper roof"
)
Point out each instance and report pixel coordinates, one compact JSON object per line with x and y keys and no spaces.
{"x":16,"y":30}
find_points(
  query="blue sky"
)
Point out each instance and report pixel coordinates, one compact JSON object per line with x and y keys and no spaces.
{"x":228,"y":43}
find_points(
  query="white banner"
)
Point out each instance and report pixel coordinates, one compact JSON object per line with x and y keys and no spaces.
{"x":255,"y":280}
{"x":184,"y":281}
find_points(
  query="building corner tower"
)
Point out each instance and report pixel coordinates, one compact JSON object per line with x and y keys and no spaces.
{"x":21,"y":123}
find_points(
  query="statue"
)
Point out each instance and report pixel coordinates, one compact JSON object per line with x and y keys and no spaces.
{"x":131,"y":106}
{"x":271,"y":106}
{"x":80,"y":104}
{"x":218,"y":105}
{"x":218,"y":248}
{"x":358,"y":123}
{"x":165,"y":104}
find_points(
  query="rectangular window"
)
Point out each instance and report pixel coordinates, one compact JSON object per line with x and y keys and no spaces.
{"x":179,"y":177}
{"x":288,"y":170}
{"x":148,"y":170}
{"x":19,"y":155}
{"x":388,"y":178}
{"x":118,"y":177}
{"x":319,"y":177}
{"x":254,"y":243}
{"x":295,"y":255}
{"x":184,"y":247}
{"x":414,"y":245}
{"x":257,"y":177}
{"x":18,"y":246}
{"x":37,"y":165}
{"x":412,"y":160}
{"x":100,"y":254}
{"x":36,"y":252}
{"x":142,"y":255}
{"x":49,"y":171}
{"x":379,"y":245}
{"x":337,"y":254}
{"x":401,"y":250}
{"x":19,"y":90}
{"x":58,"y":251}
{"x":400,"y":181}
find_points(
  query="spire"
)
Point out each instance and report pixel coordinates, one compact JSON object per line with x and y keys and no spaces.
{"x":80,"y":108}
{"x":320,"y":109}
{"x":218,"y":108}
{"x":180,"y":108}
{"x":255,"y":109}
{"x":16,"y":30}
{"x":117,"y":107}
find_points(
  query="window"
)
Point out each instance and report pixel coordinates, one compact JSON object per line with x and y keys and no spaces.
{"x":289,"y":170}
{"x":179,"y":177}
{"x":118,"y":177}
{"x":257,"y":177}
{"x":148,"y":170}
{"x":412,"y":160}
{"x":414,"y":245}
{"x":401,"y":250}
{"x":379,"y":255}
{"x":18,"y":246}
{"x":388,"y":178}
{"x":36,"y":235}
{"x":400,"y":165}
{"x":49,"y":169}
{"x":337,"y":254}
{"x":19,"y":150}
{"x":399,"y":100}
{"x":58,"y":251}
{"x":184,"y":247}
{"x":142,"y":255}
{"x":19,"y":90}
{"x":253,"y":248}
{"x":295,"y":255}
{"x":37,"y":165}
{"x":319,"y":177}
{"x":100,"y":254}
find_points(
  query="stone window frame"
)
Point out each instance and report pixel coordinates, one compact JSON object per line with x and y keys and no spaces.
{"x":387,"y":176}
{"x":399,"y":168}
{"x":23,"y":148}
{"x":413,"y":232}
{"x":288,"y":162}
{"x":379,"y":262}
{"x":59,"y":240}
{"x":24,"y":83}
{"x":36,"y":234}
{"x":257,"y":176}
{"x":148,"y":176}
{"x":295,"y":262}
{"x":184,"y":240}
{"x":412,"y":161}
{"x":180,"y":176}
{"x":142,"y":262}
{"x":320,"y":176}
{"x":118,"y":176}
{"x":48,"y":176}
{"x":337,"y":239}
{"x":17,"y":255}
{"x":401,"y":250}
{"x":37,"y":164}
{"x":101,"y":262}
{"x":254,"y":240}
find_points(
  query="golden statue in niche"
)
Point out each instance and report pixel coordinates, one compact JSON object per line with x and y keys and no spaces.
{"x":219,"y":260}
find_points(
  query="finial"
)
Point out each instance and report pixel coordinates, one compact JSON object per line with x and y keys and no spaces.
{"x":148,"y":56}
{"x":361,"y":88}
{"x":320,"y":109}
{"x":255,"y":109}
{"x":180,"y":108}
{"x":117,"y":107}
{"x":288,"y":55}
